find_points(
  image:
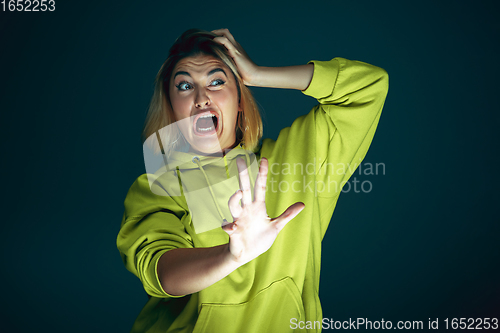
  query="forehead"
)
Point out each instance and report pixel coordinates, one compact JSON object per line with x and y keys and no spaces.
{"x":199,"y":64}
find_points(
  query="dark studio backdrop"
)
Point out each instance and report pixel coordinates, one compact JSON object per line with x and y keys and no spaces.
{"x":75,"y":86}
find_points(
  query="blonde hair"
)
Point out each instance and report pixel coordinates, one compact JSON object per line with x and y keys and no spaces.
{"x":192,"y":42}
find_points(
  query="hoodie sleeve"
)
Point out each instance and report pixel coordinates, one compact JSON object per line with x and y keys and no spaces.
{"x":351,"y":95}
{"x":151,"y":226}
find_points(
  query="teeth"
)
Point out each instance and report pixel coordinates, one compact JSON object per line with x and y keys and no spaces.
{"x":206,"y":129}
{"x":207,"y":115}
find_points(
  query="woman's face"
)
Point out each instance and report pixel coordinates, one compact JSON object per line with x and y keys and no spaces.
{"x":204,"y":99}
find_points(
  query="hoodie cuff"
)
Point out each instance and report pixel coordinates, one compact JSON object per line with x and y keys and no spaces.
{"x":154,"y":284}
{"x":324,"y":78}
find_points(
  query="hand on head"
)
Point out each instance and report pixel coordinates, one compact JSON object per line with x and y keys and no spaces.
{"x":246,"y":67}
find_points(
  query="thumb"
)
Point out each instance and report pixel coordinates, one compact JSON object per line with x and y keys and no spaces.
{"x":230,"y":228}
{"x":288,"y":215}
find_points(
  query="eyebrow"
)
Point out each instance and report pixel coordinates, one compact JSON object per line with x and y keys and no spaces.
{"x":213,"y":71}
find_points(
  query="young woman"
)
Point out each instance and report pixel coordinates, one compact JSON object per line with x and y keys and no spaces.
{"x":208,"y":262}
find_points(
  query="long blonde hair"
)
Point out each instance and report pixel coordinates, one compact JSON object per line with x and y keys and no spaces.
{"x":192,"y":42}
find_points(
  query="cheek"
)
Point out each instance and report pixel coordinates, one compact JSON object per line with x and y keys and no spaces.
{"x":229,"y":103}
{"x":179,"y":107}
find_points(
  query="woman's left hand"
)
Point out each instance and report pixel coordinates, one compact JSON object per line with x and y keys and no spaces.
{"x":246,"y":67}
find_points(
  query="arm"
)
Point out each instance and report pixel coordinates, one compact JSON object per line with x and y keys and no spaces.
{"x":188,"y":270}
{"x":291,"y":77}
{"x":159,"y":251}
{"x":351,"y":95}
{"x":335,"y":135}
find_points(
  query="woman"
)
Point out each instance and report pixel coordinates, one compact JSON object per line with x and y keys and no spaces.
{"x":235,"y":269}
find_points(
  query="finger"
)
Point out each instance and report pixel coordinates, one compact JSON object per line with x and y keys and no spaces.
{"x":227,"y":43}
{"x":288,"y":215}
{"x":261,"y":181}
{"x":225,"y":33}
{"x":230,"y":228}
{"x":234,"y":204}
{"x":244,"y":182}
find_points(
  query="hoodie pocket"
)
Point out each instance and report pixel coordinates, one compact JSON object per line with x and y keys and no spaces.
{"x":271,"y":310}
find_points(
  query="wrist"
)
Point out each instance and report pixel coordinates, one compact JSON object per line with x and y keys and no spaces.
{"x":257,"y":77}
{"x":230,"y":258}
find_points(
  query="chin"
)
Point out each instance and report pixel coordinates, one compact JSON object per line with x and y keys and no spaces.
{"x":206,"y":146}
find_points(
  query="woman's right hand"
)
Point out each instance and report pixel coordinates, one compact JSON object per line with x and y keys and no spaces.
{"x":246,"y":67}
{"x":253,"y":231}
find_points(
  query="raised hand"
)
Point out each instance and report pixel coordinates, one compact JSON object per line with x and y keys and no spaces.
{"x":253,"y":231}
{"x":289,"y":77}
{"x":246,"y":67}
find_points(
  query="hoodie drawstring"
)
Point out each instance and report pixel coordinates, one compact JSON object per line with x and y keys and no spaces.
{"x":197,"y":161}
{"x":178,"y":173}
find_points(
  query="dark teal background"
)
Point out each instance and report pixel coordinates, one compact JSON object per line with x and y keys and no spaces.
{"x":75,"y":87}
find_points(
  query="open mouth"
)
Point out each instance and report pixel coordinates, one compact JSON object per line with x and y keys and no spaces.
{"x":206,"y":123}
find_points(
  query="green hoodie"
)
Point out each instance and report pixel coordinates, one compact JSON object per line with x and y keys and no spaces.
{"x":309,"y":162}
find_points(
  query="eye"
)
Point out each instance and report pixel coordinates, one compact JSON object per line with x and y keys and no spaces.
{"x":216,"y":82}
{"x":183,"y":86}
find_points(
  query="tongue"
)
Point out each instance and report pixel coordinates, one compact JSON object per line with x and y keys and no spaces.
{"x":205,"y":122}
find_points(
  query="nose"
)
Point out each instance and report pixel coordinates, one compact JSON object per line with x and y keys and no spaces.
{"x":202,"y":99}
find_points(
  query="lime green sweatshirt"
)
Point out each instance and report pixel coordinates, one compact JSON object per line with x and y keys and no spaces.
{"x":309,"y":162}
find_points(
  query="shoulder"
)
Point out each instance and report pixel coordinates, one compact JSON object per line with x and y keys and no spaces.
{"x":150,"y":193}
